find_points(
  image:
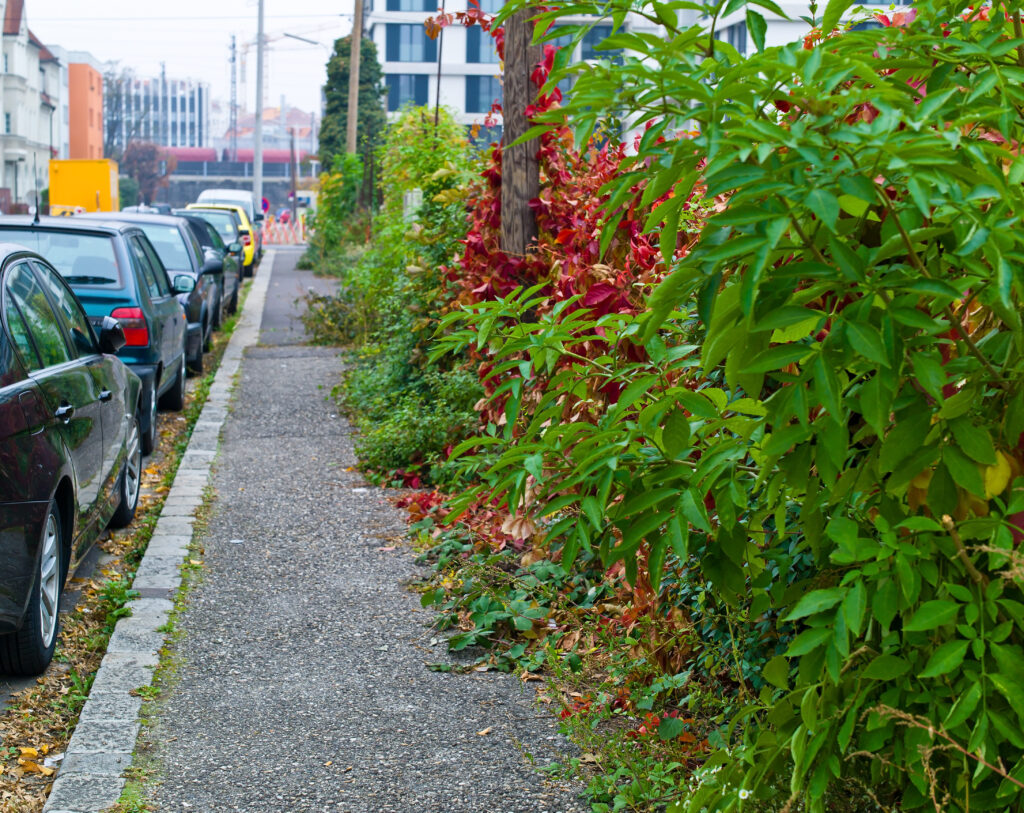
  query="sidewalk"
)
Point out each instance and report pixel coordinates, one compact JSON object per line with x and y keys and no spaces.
{"x":303,"y":684}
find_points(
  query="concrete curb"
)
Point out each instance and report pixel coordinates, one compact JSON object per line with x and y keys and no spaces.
{"x":90,"y":778}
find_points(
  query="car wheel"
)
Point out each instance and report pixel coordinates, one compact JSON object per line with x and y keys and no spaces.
{"x":149,"y":437}
{"x":247,"y":271}
{"x":29,"y":650}
{"x":174,"y":398}
{"x":196,"y":364}
{"x":129,"y":484}
{"x":207,"y":336}
{"x":233,"y":304}
{"x":218,"y":313}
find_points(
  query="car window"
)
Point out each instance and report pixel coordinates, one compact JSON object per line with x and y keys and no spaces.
{"x":141,"y":260}
{"x":40,"y":319}
{"x":19,"y":333}
{"x":224,"y":223}
{"x":68,"y":310}
{"x":82,"y":259}
{"x":158,"y":267}
{"x":214,"y":239}
{"x":169,"y":245}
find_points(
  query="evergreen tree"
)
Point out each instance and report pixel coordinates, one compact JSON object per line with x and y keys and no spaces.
{"x":371,"y":120}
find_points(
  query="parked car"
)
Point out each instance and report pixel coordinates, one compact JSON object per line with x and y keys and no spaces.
{"x":247,"y":200}
{"x":70,"y":450}
{"x":180,"y":253}
{"x":230,"y":279}
{"x":114,"y":271}
{"x":228,"y":223}
{"x":246,"y":230}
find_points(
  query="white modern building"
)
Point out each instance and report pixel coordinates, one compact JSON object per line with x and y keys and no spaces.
{"x":168,"y":112}
{"x":34,"y":125}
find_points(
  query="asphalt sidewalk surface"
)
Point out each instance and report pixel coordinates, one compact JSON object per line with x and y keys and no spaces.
{"x":304,"y":684}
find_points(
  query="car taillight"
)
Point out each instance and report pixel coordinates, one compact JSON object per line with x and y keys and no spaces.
{"x":246,"y":239}
{"x":136,"y":331}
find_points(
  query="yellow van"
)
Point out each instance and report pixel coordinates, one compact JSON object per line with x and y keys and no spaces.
{"x":248,"y":234}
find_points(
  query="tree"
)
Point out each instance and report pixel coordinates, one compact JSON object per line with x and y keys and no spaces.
{"x":150,"y":165}
{"x":121,"y":123}
{"x":372,"y":119}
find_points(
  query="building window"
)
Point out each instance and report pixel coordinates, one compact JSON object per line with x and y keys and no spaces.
{"x":593,"y":38}
{"x":7,"y":122}
{"x":480,"y":47}
{"x":412,"y":5}
{"x":481,"y":93}
{"x":409,"y":43}
{"x":6,"y":68}
{"x":406,"y":88}
{"x":735,"y":35}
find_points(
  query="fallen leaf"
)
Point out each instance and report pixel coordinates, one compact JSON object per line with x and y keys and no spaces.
{"x":34,"y":767}
{"x":194,"y":562}
{"x":31,"y":753}
{"x":485,"y":731}
{"x":528,"y":676}
{"x":387,"y":548}
{"x":588,"y":758}
{"x":328,"y":762}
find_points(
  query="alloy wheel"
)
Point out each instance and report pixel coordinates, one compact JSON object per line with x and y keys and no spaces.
{"x":133,"y":466}
{"x":49,"y":581}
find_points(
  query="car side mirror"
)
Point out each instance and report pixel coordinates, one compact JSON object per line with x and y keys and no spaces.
{"x":184,"y":284}
{"x":235,"y":248}
{"x":213,"y":265}
{"x":259,"y":217}
{"x":112,"y":336}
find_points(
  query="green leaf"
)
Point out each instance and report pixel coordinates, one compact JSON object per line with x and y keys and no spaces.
{"x":808,"y":641}
{"x":815,"y":602}
{"x":676,"y":433}
{"x":825,"y":206}
{"x":868,"y":342}
{"x":964,"y":706}
{"x":974,"y":441}
{"x":757,"y":27}
{"x":776,"y":672}
{"x":945,"y":659}
{"x":669,"y":728}
{"x":833,"y":13}
{"x":965,"y":472}
{"x":854,"y":606}
{"x":932,"y":614}
{"x":942,"y":492}
{"x":775,"y":358}
{"x":885,"y":667}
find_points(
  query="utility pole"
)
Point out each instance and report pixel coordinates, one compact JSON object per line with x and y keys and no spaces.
{"x":257,"y":151}
{"x":233,"y":113}
{"x":520,"y":171}
{"x":353,"y":76}
{"x":291,"y":132}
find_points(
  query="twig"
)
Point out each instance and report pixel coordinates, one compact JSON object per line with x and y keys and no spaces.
{"x":976,"y":575}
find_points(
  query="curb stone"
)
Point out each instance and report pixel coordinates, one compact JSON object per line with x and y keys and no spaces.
{"x":90,"y":778}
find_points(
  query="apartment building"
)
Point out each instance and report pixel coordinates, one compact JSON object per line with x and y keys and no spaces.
{"x":34,"y":126}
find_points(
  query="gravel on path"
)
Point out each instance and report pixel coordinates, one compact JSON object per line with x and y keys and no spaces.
{"x":303,"y":684}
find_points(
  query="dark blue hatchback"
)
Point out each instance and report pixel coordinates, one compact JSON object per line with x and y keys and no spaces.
{"x":114,"y":271}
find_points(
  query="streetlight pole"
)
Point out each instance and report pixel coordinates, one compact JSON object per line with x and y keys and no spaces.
{"x":353,"y":77}
{"x":257,"y":151}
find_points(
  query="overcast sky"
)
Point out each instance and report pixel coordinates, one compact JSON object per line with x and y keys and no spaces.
{"x":193,"y":38}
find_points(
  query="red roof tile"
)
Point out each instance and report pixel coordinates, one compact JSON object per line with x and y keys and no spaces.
{"x":12,"y":16}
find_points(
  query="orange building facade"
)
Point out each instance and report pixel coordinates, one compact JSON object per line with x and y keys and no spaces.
{"x":85,"y":103}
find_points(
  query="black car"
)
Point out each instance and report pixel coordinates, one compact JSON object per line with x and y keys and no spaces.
{"x":70,"y":451}
{"x":114,"y":271}
{"x":180,"y":253}
{"x":217,"y":250}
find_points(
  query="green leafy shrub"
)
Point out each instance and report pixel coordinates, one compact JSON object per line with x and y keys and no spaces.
{"x":838,"y":443}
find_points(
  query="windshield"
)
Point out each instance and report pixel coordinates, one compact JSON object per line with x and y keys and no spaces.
{"x":82,"y":259}
{"x":169,"y":245}
{"x":221,"y":221}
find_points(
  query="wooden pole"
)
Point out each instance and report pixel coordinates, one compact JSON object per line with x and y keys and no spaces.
{"x":353,"y":76}
{"x":520,"y":172}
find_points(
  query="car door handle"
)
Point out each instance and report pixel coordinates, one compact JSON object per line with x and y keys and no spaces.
{"x":106,"y":395}
{"x":64,"y":412}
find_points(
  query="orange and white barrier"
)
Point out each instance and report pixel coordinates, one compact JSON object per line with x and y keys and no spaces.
{"x":275,"y":233}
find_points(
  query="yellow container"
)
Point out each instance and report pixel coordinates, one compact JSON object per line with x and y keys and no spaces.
{"x":84,"y":184}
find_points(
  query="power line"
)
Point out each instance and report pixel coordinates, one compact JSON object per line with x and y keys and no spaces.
{"x":189,"y":19}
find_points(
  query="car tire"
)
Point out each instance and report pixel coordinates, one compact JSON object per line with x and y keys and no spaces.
{"x":233,"y":304}
{"x":207,"y":336}
{"x":196,"y":364}
{"x":129,"y":483}
{"x":174,"y":398}
{"x":29,"y":650}
{"x":247,"y":271}
{"x":149,"y":437}
{"x":218,"y":313}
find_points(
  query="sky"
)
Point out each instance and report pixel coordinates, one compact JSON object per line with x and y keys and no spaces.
{"x":193,"y":38}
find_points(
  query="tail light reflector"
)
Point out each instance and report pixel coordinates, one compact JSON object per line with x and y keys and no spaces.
{"x":136,"y":331}
{"x":246,"y":239}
